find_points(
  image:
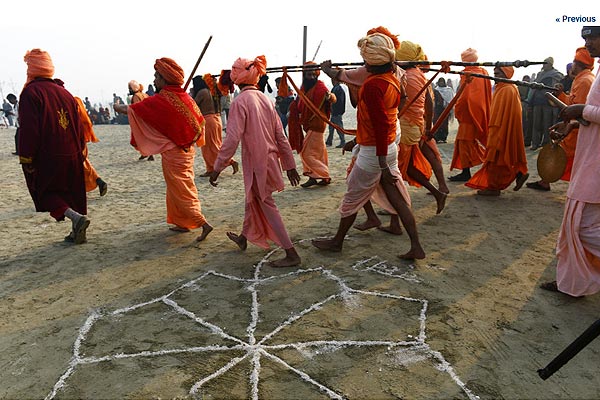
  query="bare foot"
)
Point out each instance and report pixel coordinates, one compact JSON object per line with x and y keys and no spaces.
{"x":391,"y":229}
{"x":327,"y":244}
{"x":178,"y":229}
{"x":368,"y":224}
{"x":413,"y":254}
{"x":236,"y":167}
{"x":240,"y":240}
{"x":440,"y":198}
{"x":288,"y":261}
{"x":206,"y":229}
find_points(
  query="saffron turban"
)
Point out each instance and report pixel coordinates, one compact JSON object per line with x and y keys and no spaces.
{"x":135,"y":86}
{"x":508,"y":71}
{"x":39,"y":65}
{"x":170,"y":71}
{"x":409,"y":51}
{"x":245,"y":71}
{"x":383,"y":30}
{"x":377,"y":49}
{"x":583,"y":56}
{"x":315,"y":71}
{"x":469,"y":55}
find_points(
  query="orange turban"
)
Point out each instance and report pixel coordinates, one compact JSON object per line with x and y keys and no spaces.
{"x":245,"y":71}
{"x":170,"y":71}
{"x":508,"y":71}
{"x":583,"y":56}
{"x":316,"y":71}
{"x":135,"y":86}
{"x":469,"y":55}
{"x":39,"y":65}
{"x":384,"y":31}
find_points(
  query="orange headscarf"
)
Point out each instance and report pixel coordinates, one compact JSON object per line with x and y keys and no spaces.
{"x":135,"y":86}
{"x":583,"y":56}
{"x":39,"y":65}
{"x":170,"y":71}
{"x":384,"y":31}
{"x":245,"y":71}
{"x":469,"y":55}
{"x":317,"y":72}
{"x":508,"y":71}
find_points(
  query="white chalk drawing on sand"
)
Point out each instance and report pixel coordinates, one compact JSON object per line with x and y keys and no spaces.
{"x":405,"y":352}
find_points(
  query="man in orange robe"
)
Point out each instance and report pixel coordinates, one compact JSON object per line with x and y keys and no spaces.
{"x":414,"y":166}
{"x":169,"y":123}
{"x":582,"y":82}
{"x":505,"y":158}
{"x":136,"y":90}
{"x":205,"y":93}
{"x":92,"y":179}
{"x":315,"y":162}
{"x":472,"y":110}
{"x":375,"y":171}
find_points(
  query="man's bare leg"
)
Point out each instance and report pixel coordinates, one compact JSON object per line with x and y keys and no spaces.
{"x":408,"y":220}
{"x":440,"y":197}
{"x":394,"y":228}
{"x":206,"y":229}
{"x":372,"y":221}
{"x":291,"y":259}
{"x":240,"y":240}
{"x":336,"y":243}
{"x":438,"y":169}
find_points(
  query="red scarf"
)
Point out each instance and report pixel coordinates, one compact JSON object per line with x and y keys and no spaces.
{"x":173,"y":113}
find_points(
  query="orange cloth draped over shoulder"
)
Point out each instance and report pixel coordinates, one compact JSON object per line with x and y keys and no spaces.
{"x":579,"y":91}
{"x":174,"y":113}
{"x":472,"y":110}
{"x":89,"y":172}
{"x":505,"y":154}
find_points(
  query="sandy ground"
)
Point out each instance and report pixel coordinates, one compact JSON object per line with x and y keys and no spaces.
{"x":142,"y":312}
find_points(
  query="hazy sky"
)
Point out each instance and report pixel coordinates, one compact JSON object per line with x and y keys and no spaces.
{"x":97,"y":47}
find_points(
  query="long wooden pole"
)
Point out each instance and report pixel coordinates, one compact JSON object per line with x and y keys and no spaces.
{"x":197,"y":63}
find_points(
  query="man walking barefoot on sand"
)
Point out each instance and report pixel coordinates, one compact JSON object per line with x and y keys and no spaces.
{"x":253,"y":120}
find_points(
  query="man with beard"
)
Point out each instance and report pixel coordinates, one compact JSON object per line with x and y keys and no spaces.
{"x":315,"y":163}
{"x":169,"y":123}
{"x":578,"y":245}
{"x":375,"y":172}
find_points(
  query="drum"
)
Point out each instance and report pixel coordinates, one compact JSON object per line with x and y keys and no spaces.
{"x":551,"y":162}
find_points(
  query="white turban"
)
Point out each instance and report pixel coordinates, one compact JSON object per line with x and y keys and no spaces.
{"x":377,"y":49}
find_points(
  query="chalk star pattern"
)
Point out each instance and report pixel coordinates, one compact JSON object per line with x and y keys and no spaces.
{"x":294,"y":345}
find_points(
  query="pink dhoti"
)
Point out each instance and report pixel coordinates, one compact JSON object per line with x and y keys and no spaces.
{"x":578,"y":249}
{"x":364,"y":182}
{"x":315,"y":162}
{"x":262,"y":220}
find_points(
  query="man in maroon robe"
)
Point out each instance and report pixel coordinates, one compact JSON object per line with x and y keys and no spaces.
{"x":51,"y":144}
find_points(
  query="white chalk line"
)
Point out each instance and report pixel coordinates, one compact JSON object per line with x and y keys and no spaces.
{"x":255,"y":350}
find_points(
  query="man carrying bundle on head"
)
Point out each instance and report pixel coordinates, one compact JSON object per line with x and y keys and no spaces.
{"x":315,"y":162}
{"x":505,"y":159}
{"x":207,"y":97}
{"x":376,"y":166}
{"x":472,"y":110}
{"x":169,"y":123}
{"x":51,"y":146}
{"x":253,"y":121}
